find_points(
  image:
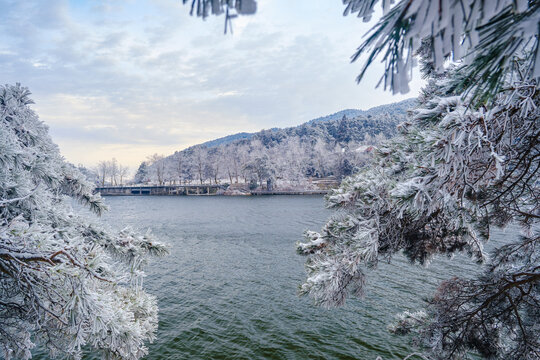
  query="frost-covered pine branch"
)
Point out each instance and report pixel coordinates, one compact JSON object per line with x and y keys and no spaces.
{"x":481,"y":35}
{"x":231,"y":9}
{"x":453,"y":174}
{"x":65,"y":280}
{"x":496,"y":313}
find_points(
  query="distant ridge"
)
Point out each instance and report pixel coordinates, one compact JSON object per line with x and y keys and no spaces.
{"x":322,"y":147}
{"x":349,"y":113}
{"x":227,"y":139}
{"x":390,"y":109}
{"x":400,"y":107}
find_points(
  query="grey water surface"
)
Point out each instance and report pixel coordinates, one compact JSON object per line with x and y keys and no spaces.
{"x":228,"y":289}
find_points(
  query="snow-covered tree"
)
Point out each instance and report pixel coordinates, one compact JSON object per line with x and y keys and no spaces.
{"x":141,"y":176}
{"x":232,"y":159}
{"x":178,"y":166}
{"x":454,"y":173}
{"x":260,"y":169}
{"x":157,"y":164}
{"x":243,"y":158}
{"x":66,"y":282}
{"x":102,"y":170}
{"x":200,"y":158}
{"x":113,"y":171}
{"x":483,"y":35}
{"x":90,"y":175}
{"x":123,"y":172}
{"x":215,"y":160}
{"x":319,"y":155}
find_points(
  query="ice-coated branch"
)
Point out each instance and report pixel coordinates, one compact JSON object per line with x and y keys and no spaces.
{"x":231,"y":9}
{"x":20,"y":198}
{"x":483,"y":35}
{"x":454,"y":173}
{"x":65,"y":279}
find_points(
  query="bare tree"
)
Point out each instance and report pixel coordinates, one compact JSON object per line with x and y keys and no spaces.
{"x":215,"y":159}
{"x":179,"y":166}
{"x":200,"y":158}
{"x":122,"y":173}
{"x":158,"y":166}
{"x":113,"y":171}
{"x":231,"y":158}
{"x":103,"y":171}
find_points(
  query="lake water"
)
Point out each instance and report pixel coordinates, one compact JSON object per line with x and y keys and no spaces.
{"x":228,"y":290}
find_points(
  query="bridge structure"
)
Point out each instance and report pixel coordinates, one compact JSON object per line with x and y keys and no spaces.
{"x":289,"y":192}
{"x":158,"y":190}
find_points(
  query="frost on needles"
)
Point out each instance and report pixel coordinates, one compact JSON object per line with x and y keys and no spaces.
{"x":466,"y":162}
{"x":66,"y":282}
{"x":484,"y":35}
{"x":453,"y":174}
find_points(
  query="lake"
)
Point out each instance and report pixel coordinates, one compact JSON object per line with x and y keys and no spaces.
{"x":228,"y":290}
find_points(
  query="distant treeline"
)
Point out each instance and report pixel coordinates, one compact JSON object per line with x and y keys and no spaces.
{"x":331,"y":146}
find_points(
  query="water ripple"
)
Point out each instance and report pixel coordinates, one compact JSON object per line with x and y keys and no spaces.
{"x":228,"y":288}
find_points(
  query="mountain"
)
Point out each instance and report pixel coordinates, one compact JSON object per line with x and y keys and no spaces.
{"x":396,"y":110}
{"x":323,"y":147}
{"x":344,"y":126}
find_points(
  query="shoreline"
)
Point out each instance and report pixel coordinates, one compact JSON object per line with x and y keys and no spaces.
{"x":196,"y":190}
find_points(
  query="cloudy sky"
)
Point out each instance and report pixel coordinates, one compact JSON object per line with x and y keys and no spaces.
{"x":129,"y":78}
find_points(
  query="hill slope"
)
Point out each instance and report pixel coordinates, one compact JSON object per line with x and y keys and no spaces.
{"x":326,"y":146}
{"x":395,"y":110}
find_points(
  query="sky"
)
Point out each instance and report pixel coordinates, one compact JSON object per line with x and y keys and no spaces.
{"x":129,"y":78}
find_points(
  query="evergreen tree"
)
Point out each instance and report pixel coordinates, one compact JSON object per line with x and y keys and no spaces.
{"x":484,"y":35}
{"x":65,"y":280}
{"x":142,"y":174}
{"x":343,"y":131}
{"x":453,"y":174}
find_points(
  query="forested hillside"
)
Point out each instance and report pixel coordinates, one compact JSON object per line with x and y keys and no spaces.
{"x":328,"y":146}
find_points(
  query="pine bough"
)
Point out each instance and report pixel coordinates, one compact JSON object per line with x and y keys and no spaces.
{"x":454,"y":173}
{"x":65,"y":281}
